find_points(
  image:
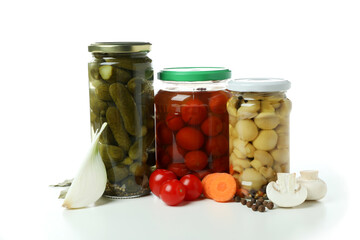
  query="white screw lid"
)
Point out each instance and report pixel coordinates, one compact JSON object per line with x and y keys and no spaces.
{"x":258,"y":85}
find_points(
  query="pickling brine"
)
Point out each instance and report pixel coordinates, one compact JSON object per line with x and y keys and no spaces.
{"x":121,"y":94}
{"x":259,"y":114}
{"x":192,"y":133}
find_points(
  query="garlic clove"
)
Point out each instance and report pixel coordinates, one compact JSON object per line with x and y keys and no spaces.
{"x":315,"y":186}
{"x":286,"y":192}
{"x":90,"y":182}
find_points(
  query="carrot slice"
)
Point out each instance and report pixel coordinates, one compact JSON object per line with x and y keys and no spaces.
{"x":207,"y":184}
{"x":204,"y":182}
{"x":221,"y":187}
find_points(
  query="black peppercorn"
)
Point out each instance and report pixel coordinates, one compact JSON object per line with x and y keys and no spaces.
{"x":254,"y":208}
{"x":249,"y":204}
{"x":261,"y":199}
{"x":261,"y":208}
{"x":237,"y":199}
{"x":243,"y":201}
{"x":270,"y":205}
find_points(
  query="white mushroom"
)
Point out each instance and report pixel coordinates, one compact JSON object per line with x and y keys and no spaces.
{"x":264,"y":157}
{"x":267,"y":120}
{"x":266,"y":140}
{"x":268,"y":173}
{"x":246,"y":129}
{"x":252,"y":179}
{"x":248,"y":109}
{"x":281,"y":155}
{"x":285,"y":107}
{"x":256,"y":164}
{"x":266,"y":106}
{"x":283,"y":141}
{"x":316,"y":188}
{"x":230,"y":106}
{"x":285,"y":192}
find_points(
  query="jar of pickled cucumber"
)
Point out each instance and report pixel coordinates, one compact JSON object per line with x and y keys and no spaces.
{"x":259,"y":132}
{"x":121,"y":94}
{"x":191,"y":121}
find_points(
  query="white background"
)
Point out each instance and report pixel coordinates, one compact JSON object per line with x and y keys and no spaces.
{"x":45,"y":112}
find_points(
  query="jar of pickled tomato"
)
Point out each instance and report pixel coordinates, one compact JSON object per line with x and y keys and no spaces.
{"x":259,"y":113}
{"x":192,"y":123}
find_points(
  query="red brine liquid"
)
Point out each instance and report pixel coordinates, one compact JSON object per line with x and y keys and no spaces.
{"x":192,"y":132}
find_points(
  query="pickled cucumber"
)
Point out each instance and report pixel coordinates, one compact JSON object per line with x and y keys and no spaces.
{"x":117,"y":128}
{"x":94,"y":73}
{"x":102,"y":92}
{"x":127,"y":107}
{"x":96,"y":105}
{"x":111,"y":155}
{"x":136,"y":150}
{"x":117,"y":173}
{"x":106,"y":72}
{"x":136,"y":85}
{"x":137,"y":169}
{"x":138,"y":64}
{"x":140,"y":145}
{"x":107,"y":137}
{"x":130,"y":185}
{"x":112,"y":74}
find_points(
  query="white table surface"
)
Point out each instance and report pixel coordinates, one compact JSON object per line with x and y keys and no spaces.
{"x":42,"y":217}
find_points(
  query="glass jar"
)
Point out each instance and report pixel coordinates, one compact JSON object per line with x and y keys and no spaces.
{"x":191,"y":121}
{"x":121,"y":94}
{"x":259,"y":132}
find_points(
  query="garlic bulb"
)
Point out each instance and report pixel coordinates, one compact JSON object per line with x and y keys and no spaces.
{"x":316,"y":187}
{"x":285,"y":192}
{"x":90,"y":182}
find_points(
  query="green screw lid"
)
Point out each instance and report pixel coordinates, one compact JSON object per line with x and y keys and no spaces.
{"x":193,"y":74}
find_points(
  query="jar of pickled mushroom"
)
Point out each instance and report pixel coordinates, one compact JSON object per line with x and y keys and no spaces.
{"x":192,"y":121}
{"x":259,"y":132}
{"x":121,"y":94}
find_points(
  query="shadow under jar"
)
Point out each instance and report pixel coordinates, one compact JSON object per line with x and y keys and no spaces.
{"x":259,"y":114}
{"x":191,"y":121}
{"x":121,"y":94}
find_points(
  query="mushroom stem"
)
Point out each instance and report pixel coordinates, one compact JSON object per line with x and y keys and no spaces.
{"x":309,"y":174}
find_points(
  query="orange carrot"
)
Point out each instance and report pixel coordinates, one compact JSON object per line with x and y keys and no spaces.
{"x":204,"y":182}
{"x":220,"y":187}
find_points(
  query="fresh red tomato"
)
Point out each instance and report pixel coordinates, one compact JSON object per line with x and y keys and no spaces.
{"x":190,"y":138}
{"x":179,"y":169}
{"x":217,"y":146}
{"x":193,"y":112}
{"x":158,"y":177}
{"x":196,"y":160}
{"x":174,"y":122}
{"x":172,"y":192}
{"x":163,"y":134}
{"x":217,"y":102}
{"x":193,"y":187}
{"x":212,"y":126}
{"x":176,"y":153}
